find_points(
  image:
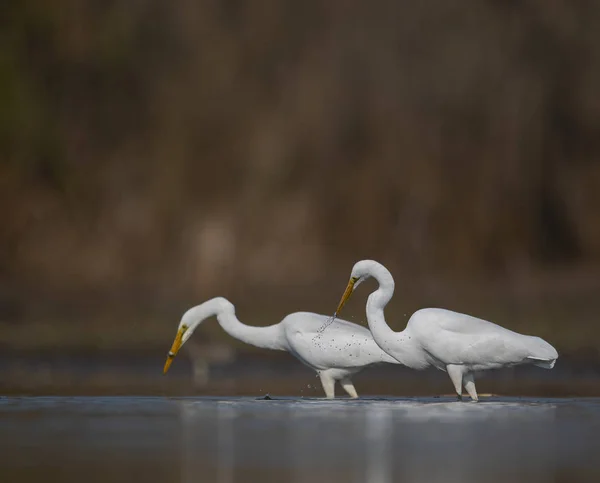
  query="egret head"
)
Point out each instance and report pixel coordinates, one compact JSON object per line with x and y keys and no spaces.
{"x":360,"y":272}
{"x":191,"y":320}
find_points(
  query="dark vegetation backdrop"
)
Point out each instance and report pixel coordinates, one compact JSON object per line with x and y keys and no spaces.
{"x":155,"y":154}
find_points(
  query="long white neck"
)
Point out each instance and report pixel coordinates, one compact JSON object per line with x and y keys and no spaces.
{"x":270,"y":337}
{"x":400,"y":345}
{"x":382,"y":333}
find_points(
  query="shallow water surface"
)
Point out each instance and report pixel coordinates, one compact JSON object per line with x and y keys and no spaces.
{"x":226,"y":440}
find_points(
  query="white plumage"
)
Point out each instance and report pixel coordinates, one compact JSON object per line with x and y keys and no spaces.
{"x":336,"y":354}
{"x":450,"y":341}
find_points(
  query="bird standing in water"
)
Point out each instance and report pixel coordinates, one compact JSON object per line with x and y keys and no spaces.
{"x":337,"y":355}
{"x":453,"y":342}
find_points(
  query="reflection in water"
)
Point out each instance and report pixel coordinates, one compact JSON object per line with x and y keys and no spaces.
{"x":374,"y":441}
{"x":378,"y":441}
{"x":302,"y":449}
{"x":456,"y":442}
{"x":188,"y":462}
{"x":207,"y":434}
{"x":225,"y":443}
{"x":302,"y":441}
{"x":299,"y":436}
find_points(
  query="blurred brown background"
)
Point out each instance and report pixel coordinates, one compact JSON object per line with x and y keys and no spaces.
{"x":156,"y":154}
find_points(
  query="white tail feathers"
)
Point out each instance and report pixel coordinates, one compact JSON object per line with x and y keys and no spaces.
{"x":543,"y":354}
{"x":543,"y":363}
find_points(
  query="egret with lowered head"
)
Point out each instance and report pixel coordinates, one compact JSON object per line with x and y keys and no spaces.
{"x":337,"y":355}
{"x":453,"y":342}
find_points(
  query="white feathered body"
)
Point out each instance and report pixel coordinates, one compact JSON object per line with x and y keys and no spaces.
{"x":335,"y":354}
{"x":439,"y":337}
{"x":343,"y":345}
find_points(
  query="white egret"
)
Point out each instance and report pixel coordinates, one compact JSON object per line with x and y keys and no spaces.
{"x":337,"y":355}
{"x":453,"y":342}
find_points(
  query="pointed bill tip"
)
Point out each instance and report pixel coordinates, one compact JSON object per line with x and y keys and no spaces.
{"x":177,"y":343}
{"x":168,"y":363}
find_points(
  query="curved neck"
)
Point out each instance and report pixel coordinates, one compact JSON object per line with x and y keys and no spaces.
{"x":382,"y":333}
{"x":269,"y":337}
{"x":399,"y":345}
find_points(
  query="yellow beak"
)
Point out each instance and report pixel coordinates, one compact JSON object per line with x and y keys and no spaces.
{"x":346,"y":295}
{"x":174,"y":348}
